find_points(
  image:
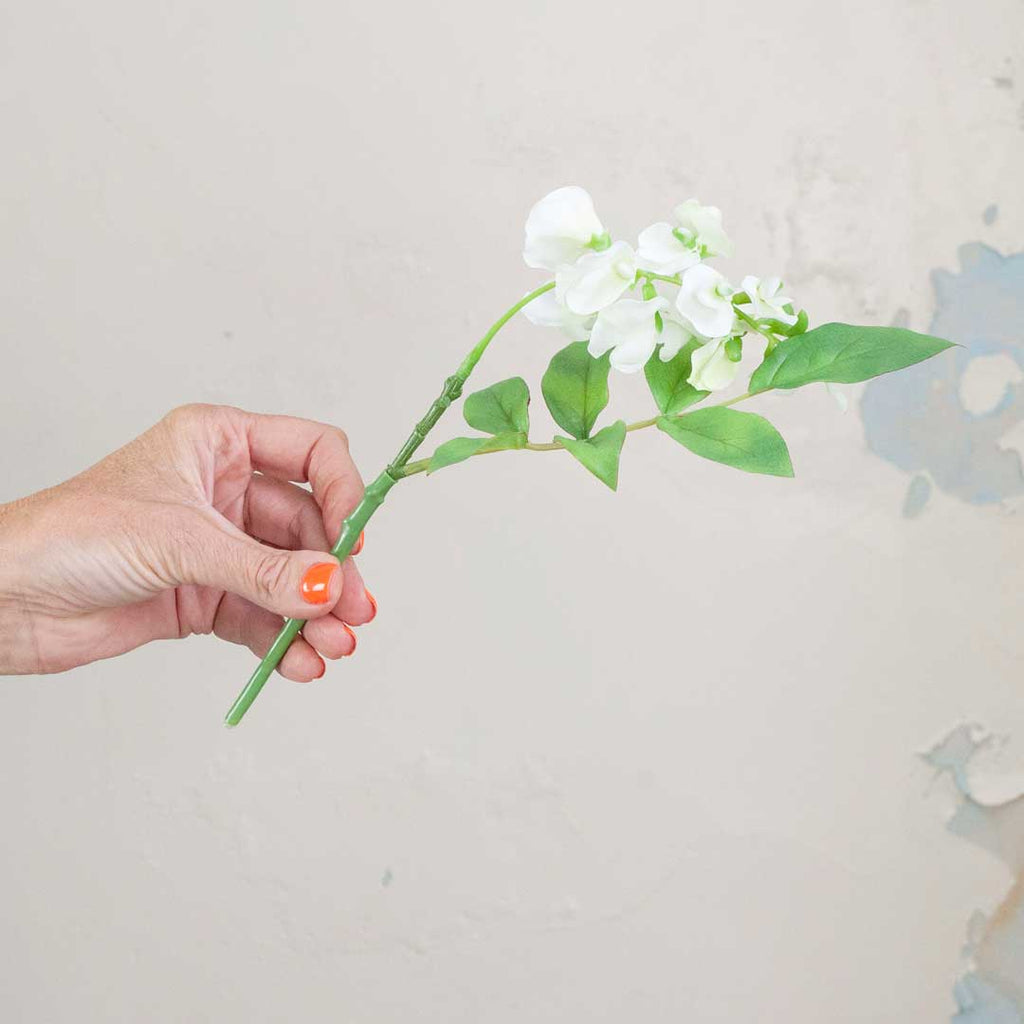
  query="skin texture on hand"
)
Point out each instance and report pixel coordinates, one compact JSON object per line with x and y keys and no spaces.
{"x":197,"y":526}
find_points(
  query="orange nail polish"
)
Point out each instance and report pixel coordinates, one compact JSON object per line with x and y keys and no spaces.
{"x":316,"y":584}
{"x":348,"y":629}
{"x":373,"y":605}
{"x":359,"y":543}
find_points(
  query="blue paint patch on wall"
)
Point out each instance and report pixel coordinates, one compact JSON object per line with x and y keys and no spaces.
{"x":918,"y":493}
{"x":918,"y":420}
{"x":990,"y":814}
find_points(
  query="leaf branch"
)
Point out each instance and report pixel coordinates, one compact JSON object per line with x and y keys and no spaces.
{"x":423,"y":465}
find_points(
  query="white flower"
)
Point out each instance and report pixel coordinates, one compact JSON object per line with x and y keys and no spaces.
{"x":628,"y":330}
{"x":547,"y":311}
{"x":711,"y":369}
{"x":674,"y":335}
{"x":660,"y":249}
{"x":705,"y":301}
{"x":701,"y":228}
{"x":596,"y":279}
{"x":560,"y":228}
{"x":766,"y":298}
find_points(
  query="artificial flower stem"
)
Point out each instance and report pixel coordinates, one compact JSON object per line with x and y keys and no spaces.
{"x":373,"y":498}
{"x":466,"y":367}
{"x":736,"y":400}
{"x":755,"y":326}
{"x":667,"y":278}
{"x":423,"y":465}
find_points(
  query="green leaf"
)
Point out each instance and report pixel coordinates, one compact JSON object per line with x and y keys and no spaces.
{"x":842,"y":354}
{"x":575,"y":387}
{"x":739,"y":439}
{"x":667,"y":381}
{"x":600,"y":453}
{"x":458,"y":449}
{"x":500,"y":409}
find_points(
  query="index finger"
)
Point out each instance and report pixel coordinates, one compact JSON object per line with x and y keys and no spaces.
{"x":289,"y":448}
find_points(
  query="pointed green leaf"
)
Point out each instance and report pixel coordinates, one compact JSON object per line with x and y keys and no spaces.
{"x":500,"y":409}
{"x":600,"y":453}
{"x":667,"y":381}
{"x":458,"y":449}
{"x":739,"y":439}
{"x":575,"y":388}
{"x":842,"y":354}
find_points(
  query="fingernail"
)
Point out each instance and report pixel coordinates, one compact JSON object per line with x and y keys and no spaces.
{"x":316,"y":584}
{"x":373,"y":605}
{"x":351,"y":633}
{"x":359,"y":543}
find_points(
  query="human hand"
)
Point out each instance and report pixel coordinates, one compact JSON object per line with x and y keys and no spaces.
{"x":197,"y":526}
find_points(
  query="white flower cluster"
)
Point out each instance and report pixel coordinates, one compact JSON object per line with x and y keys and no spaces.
{"x":595,"y":279}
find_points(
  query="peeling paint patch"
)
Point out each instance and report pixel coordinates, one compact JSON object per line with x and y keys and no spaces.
{"x":979,"y":1003}
{"x":988,"y":382}
{"x":918,"y":493}
{"x":948,"y":418}
{"x":990,"y":814}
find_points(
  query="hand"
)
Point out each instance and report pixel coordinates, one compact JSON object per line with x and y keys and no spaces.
{"x":162,"y":539}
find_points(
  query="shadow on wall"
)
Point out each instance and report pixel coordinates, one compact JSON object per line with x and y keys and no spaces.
{"x":964,"y":432}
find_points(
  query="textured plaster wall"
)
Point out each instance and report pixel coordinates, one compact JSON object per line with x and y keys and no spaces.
{"x":640,"y":757}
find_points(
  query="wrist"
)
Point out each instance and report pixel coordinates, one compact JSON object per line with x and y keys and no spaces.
{"x":17,"y":647}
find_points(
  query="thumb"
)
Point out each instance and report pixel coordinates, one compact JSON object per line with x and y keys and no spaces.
{"x":296,"y":584}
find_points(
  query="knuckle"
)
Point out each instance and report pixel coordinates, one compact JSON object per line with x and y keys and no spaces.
{"x":271,"y":574}
{"x":184,"y":416}
{"x":306,"y":526}
{"x":337,"y":502}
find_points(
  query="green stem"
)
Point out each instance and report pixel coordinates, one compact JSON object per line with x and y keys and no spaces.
{"x":466,"y":368}
{"x":754,"y":325}
{"x":374,"y":497}
{"x":736,"y":400}
{"x":642,"y":424}
{"x":422,"y":465}
{"x":667,"y":278}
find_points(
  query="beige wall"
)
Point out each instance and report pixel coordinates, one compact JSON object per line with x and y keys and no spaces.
{"x":642,"y":757}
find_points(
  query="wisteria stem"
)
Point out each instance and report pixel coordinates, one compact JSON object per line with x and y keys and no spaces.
{"x":374,"y":497}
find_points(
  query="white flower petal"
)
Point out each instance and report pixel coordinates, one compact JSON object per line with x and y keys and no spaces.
{"x":659,"y":250}
{"x":705,"y":224}
{"x":750,"y":285}
{"x":631,"y":357}
{"x":596,"y":279}
{"x":711,"y":369}
{"x":547,"y":311}
{"x":673,"y":337}
{"x":766,"y":299}
{"x":627,"y":329}
{"x":701,"y":305}
{"x":559,"y":228}
{"x":544,"y":311}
